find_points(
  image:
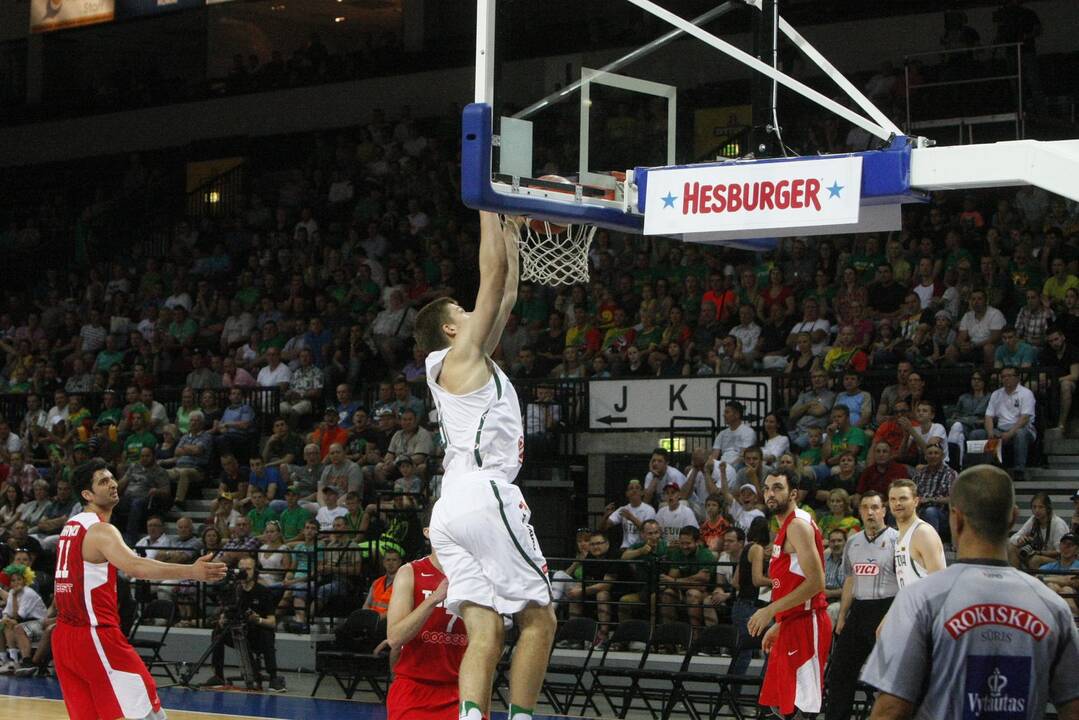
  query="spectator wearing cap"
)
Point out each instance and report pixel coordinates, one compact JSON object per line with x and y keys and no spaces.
{"x":1010,"y":417}
{"x":328,"y":432}
{"x":735,"y":438}
{"x":329,"y":509}
{"x":745,"y":507}
{"x":1068,"y":558}
{"x":304,"y":389}
{"x":412,"y":440}
{"x":293,"y":517}
{"x":674,"y":515}
{"x":630,"y":516}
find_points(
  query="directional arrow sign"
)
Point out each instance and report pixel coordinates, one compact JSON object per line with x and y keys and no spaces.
{"x":648,"y":404}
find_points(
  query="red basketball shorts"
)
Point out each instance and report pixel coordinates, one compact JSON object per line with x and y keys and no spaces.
{"x":101,"y":676}
{"x":414,"y":700}
{"x":795,"y":675}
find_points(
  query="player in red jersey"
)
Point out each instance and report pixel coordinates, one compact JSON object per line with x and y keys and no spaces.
{"x":798,"y":643}
{"x":101,"y":676}
{"x":428,"y":642}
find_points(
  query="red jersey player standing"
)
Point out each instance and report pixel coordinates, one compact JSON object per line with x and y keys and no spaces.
{"x":430,"y":643}
{"x":101,"y":676}
{"x":799,"y":642}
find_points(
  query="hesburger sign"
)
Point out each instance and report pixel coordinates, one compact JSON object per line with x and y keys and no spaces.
{"x":753,"y":196}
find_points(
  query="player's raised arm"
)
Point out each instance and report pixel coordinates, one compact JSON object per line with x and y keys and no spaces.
{"x":471,"y":342}
{"x":510,"y":236}
{"x":103,"y":540}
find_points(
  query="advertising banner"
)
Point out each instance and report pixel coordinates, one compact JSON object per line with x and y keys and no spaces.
{"x":48,"y":15}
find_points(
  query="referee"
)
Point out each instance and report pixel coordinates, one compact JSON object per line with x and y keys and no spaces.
{"x":868,"y":591}
{"x":979,"y":639}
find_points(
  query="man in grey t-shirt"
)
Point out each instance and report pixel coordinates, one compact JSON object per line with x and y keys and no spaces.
{"x":980,"y":639}
{"x":868,"y":590}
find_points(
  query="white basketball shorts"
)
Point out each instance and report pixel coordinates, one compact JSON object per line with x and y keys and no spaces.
{"x":481,"y":533}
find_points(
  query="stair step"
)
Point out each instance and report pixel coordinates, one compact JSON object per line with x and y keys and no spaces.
{"x":1062,"y":446}
{"x":1043,"y":475}
{"x":1064,"y":461}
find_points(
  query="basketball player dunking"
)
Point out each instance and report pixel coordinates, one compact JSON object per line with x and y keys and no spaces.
{"x":101,"y":676}
{"x":799,"y":641}
{"x":480,"y":525}
{"x":428,"y":643}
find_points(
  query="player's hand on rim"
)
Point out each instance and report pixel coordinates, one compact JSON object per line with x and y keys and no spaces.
{"x":206,"y":570}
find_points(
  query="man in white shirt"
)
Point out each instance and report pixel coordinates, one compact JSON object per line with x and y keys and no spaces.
{"x":732,"y":441}
{"x":660,"y":474}
{"x":630,"y":516}
{"x":748,"y":332}
{"x":812,"y":323}
{"x":330,"y":510}
{"x":1010,"y":417}
{"x":675,"y":515}
{"x":745,"y":509}
{"x":276,"y":373}
{"x":981,"y":327}
{"x":156,"y":540}
{"x":58,"y":412}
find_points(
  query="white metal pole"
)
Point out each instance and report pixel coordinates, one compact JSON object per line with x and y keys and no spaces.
{"x":626,"y":59}
{"x":747,"y":59}
{"x":485,"y":51}
{"x":830,"y":70}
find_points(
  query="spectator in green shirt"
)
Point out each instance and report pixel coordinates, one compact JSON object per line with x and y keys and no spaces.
{"x":842,"y":436}
{"x":139,"y":436}
{"x":109,"y":356}
{"x":260,"y":512}
{"x":183,"y":327}
{"x":649,"y":551}
{"x":293,"y":517}
{"x":687,"y":577}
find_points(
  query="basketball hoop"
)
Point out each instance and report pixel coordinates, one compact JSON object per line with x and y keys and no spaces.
{"x":554,"y":254}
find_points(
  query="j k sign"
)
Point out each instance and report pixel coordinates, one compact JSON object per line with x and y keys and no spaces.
{"x":753,"y":196}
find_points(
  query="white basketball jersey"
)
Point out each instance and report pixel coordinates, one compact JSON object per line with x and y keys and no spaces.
{"x":481,"y":430}
{"x":907,"y":570}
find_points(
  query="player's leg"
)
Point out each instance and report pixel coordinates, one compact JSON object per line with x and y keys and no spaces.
{"x":128,"y":682}
{"x":537,"y":629}
{"x":79,"y":669}
{"x":477,"y":673}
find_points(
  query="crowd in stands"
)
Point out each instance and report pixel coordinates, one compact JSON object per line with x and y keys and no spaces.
{"x":265,"y":358}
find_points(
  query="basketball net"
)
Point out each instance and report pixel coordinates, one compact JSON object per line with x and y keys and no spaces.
{"x":554,"y":254}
